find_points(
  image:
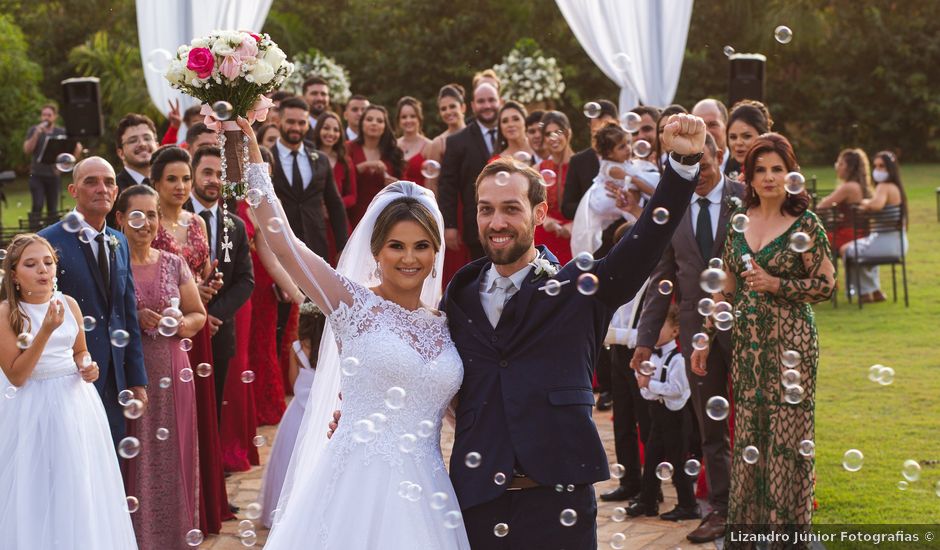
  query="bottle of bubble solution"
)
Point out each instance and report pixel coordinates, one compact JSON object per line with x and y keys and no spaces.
{"x":747,"y":262}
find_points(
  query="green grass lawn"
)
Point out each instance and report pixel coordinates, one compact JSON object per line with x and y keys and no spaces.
{"x":889,"y":424}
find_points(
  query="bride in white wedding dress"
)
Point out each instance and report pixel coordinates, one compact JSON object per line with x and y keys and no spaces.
{"x":380,"y":482}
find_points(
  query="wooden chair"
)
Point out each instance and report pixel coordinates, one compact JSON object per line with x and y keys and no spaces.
{"x":868,"y":223}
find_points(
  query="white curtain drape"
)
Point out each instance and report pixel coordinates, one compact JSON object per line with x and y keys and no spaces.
{"x":639,"y":44}
{"x":165,"y":25}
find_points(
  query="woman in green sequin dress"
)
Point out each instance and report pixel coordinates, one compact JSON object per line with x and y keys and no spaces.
{"x":790,"y":269}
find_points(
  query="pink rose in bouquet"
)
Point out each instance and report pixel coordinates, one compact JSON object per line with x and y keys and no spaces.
{"x":231,"y":66}
{"x":248,"y":48}
{"x":200,"y":62}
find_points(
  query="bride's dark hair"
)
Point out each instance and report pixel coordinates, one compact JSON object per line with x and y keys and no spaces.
{"x":404,"y":209}
{"x":8,"y":291}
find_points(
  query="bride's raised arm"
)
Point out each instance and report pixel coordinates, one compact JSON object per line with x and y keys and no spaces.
{"x":312,"y":273}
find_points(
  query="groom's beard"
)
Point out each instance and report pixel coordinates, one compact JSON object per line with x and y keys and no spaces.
{"x":504,"y":256}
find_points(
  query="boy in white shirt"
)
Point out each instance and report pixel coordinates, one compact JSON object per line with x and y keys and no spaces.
{"x":663,"y":383}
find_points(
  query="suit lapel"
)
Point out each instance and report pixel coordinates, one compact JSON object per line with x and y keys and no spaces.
{"x":479,"y":139}
{"x":721,"y":232}
{"x":112,"y":267}
{"x":93,"y":267}
{"x":687,"y":232}
{"x":467,"y":302}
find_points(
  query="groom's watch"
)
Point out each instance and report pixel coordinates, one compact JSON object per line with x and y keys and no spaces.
{"x":688,"y":160}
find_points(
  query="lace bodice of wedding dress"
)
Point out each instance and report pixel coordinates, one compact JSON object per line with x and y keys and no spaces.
{"x":400,"y":371}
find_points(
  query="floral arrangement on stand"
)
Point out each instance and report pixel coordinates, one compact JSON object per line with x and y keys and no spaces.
{"x":229,"y":72}
{"x":528,"y":76}
{"x":314,"y":63}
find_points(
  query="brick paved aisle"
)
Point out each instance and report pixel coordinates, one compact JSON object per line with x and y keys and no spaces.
{"x":642,"y":533}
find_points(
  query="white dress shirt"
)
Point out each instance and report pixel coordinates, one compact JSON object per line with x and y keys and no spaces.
{"x":491,"y":147}
{"x":714,"y":209}
{"x":287,"y":163}
{"x":213,"y":225}
{"x":488,"y":293}
{"x":92,"y":234}
{"x":138,"y":177}
{"x":350,"y":135}
{"x":668,"y":383}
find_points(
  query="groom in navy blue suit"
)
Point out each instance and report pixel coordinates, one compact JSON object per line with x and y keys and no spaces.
{"x":98,"y":275}
{"x":529,"y":353}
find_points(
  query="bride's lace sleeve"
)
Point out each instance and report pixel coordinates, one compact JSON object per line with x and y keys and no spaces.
{"x":313,"y":274}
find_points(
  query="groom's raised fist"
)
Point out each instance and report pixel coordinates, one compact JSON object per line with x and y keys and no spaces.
{"x":684,"y":134}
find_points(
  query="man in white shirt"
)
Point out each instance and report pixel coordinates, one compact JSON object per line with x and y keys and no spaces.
{"x":352,"y":113}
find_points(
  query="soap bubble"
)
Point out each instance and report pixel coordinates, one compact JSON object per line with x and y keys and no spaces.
{"x":739,"y":222}
{"x":807,"y":448}
{"x":501,"y":530}
{"x":349,"y":366}
{"x":162,"y":434}
{"x":168,"y":326}
{"x":24,"y":340}
{"x":783,"y":34}
{"x":124,"y":397}
{"x":790,"y":358}
{"x":523,"y":157}
{"x":407,"y":443}
{"x":750,"y":454}
{"x":395,"y":398}
{"x":134,"y":409}
{"x":728,"y":51}
{"x":473,"y":459}
{"x":72,"y":221}
{"x":617,"y":471}
{"x":617,"y":541}
{"x":10,"y":392}
{"x":453,"y":519}
{"x":622,"y":61}
{"x":499,"y":478}
{"x":248,"y":376}
{"x":642,"y":148}
{"x":665,"y":287}
{"x":65,"y":162}
{"x":790,"y":378}
{"x":664,"y":471}
{"x":631,"y":122}
{"x":795,"y":183}
{"x":552,"y":287}
{"x":886,"y":377}
{"x":692,"y":467}
{"x":619,"y":514}
{"x":363,"y":431}
{"x":249,"y":538}
{"x":647,"y":368}
{"x":136,"y":219}
{"x":222,"y":110}
{"x":584,"y":261}
{"x":717,"y":408}
{"x":275,"y":225}
{"x":712,"y":280}
{"x":204,"y":370}
{"x":158,"y":60}
{"x":133,"y":504}
{"x":438,"y":501}
{"x":254,"y":197}
{"x":425,"y":428}
{"x":911,"y":470}
{"x":129,"y":447}
{"x":259,"y":441}
{"x":89,"y":323}
{"x":503,"y":178}
{"x":120,"y":338}
{"x":794,"y":394}
{"x":430,"y":169}
{"x":568,"y":517}
{"x":194,"y":537}
{"x":706,"y":306}
{"x":549,"y":177}
{"x":253,"y":511}
{"x":716,"y":263}
{"x":587,"y":284}
{"x":800,"y":242}
{"x":660,"y":215}
{"x":165,"y":382}
{"x":700,"y":341}
{"x":592,"y":109}
{"x":852,"y":460}
{"x":186,"y":374}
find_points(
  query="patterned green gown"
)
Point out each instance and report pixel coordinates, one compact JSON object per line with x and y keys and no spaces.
{"x":778,"y":488}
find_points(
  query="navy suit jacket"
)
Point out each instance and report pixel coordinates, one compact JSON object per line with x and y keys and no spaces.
{"x":526,"y":398}
{"x":113,"y":308}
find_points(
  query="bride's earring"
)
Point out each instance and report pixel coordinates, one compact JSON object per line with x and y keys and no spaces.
{"x":434,"y":270}
{"x":378,"y":272}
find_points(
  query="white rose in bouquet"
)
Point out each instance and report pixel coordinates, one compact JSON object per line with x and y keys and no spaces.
{"x":274,"y":56}
{"x":262,"y":72}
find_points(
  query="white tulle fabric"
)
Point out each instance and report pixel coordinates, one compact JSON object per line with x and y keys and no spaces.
{"x":349,"y":491}
{"x":60,"y":483}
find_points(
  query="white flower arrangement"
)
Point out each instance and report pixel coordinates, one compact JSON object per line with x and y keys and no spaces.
{"x":527,"y":75}
{"x":314,"y":63}
{"x":114,"y":242}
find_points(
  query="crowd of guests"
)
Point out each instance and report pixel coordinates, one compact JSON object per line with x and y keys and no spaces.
{"x":212,"y":333}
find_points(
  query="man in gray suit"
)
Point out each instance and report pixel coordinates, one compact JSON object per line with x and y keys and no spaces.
{"x":699,"y":237}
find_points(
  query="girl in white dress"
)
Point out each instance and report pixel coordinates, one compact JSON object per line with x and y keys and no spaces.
{"x":60,"y":483}
{"x":380,"y":482}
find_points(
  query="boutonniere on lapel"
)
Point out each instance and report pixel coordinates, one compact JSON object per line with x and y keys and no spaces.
{"x":734,"y":202}
{"x":543,"y":268}
{"x":113,"y":241}
{"x":313,"y":155}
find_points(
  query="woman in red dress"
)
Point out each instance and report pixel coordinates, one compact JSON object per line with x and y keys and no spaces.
{"x":451,"y":108}
{"x":411,"y":138}
{"x":555,"y":231}
{"x":377,"y":158}
{"x":328,"y":139}
{"x":184,"y":233}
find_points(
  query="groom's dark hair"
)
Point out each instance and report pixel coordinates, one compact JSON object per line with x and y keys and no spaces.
{"x":536,"y":194}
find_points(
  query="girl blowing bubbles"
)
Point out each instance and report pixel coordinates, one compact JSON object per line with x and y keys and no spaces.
{"x":60,"y":479}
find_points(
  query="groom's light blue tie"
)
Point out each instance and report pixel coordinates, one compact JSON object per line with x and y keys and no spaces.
{"x":500,"y":292}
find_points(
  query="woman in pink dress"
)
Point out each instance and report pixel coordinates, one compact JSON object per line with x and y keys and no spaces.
{"x":377,"y":158}
{"x":163,"y":477}
{"x":184,"y":233}
{"x":555,"y":231}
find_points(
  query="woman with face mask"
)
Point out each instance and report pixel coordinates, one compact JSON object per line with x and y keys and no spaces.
{"x":889,"y":199}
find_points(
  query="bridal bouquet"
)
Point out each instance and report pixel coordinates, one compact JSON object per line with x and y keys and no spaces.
{"x":229,"y":71}
{"x":528,"y":76}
